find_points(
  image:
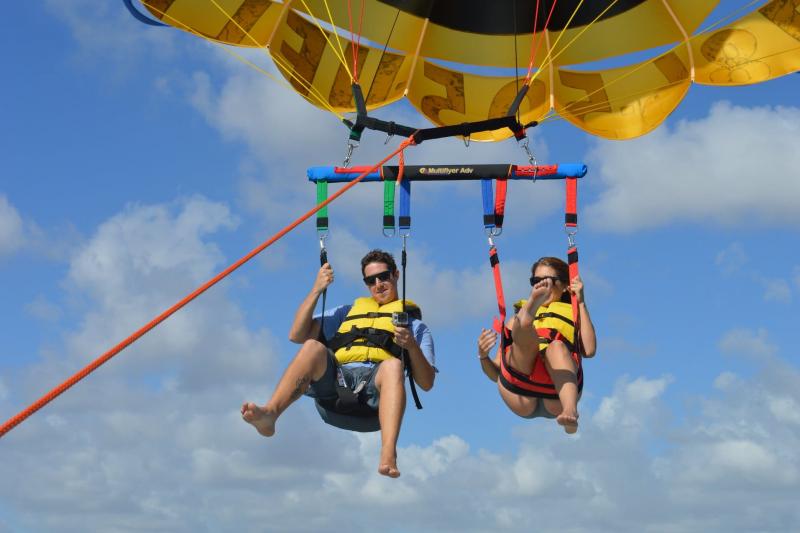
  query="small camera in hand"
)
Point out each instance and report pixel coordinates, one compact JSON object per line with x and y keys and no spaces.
{"x":400,"y":318}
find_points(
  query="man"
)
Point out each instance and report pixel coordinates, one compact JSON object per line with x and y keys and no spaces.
{"x":313,"y":371}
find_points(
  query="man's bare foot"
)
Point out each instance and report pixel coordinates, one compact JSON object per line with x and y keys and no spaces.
{"x":569,"y":421}
{"x":260,"y":418}
{"x":388,"y":464}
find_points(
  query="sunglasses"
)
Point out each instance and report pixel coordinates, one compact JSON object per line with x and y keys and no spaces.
{"x":380,"y":276}
{"x":537,"y":279}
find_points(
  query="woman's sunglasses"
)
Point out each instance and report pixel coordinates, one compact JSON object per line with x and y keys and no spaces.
{"x":380,"y":276}
{"x":537,"y":279}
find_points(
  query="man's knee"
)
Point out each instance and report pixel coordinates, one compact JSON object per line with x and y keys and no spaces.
{"x":390,"y":369}
{"x":314,"y":348}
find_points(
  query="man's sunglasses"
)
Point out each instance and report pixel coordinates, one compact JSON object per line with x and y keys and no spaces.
{"x":380,"y":276}
{"x":537,"y":279}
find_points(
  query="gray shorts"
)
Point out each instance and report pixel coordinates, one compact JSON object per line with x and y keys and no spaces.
{"x":354,"y":373}
{"x":540,"y":411}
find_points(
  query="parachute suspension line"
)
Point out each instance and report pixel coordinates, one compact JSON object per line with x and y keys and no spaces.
{"x":383,"y":52}
{"x":355,"y":40}
{"x":340,"y":54}
{"x":278,"y":61}
{"x":227,"y":49}
{"x":686,"y":36}
{"x":57,"y":391}
{"x":601,"y":105}
{"x":729,"y":16}
{"x":621,"y":77}
{"x":535,"y":43}
{"x":566,"y":46}
{"x":547,"y":59}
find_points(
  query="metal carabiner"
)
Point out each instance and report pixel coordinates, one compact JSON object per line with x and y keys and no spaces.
{"x":392,"y":234}
{"x":493,"y":232}
{"x":524,"y":143}
{"x":351,"y":146}
{"x":570,"y":236}
{"x":322,"y":236}
{"x":466,"y":140}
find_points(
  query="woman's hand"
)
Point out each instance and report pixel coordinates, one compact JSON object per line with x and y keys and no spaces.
{"x":576,"y":288}
{"x":486,"y":341}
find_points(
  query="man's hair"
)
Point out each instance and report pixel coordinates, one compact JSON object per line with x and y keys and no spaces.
{"x":378,"y":256}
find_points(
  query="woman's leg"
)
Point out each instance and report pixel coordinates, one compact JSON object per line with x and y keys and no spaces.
{"x":525,"y":339}
{"x":561,"y":367}
{"x":523,"y":406}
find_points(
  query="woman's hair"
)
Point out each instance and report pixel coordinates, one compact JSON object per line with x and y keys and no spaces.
{"x":562,"y":271}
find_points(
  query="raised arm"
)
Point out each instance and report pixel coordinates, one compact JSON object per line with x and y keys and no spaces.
{"x":304,"y":326}
{"x":587,"y":328}
{"x":490,"y":367}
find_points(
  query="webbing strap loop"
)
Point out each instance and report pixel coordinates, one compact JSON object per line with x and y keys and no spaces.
{"x":494,"y":263}
{"x":322,"y":214}
{"x":488,"y":204}
{"x":389,"y":229}
{"x":404,"y":214}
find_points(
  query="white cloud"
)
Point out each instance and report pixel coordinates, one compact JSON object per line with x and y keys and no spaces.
{"x":777,"y":290}
{"x":181,"y":461}
{"x":12,"y":234}
{"x":109,"y":32}
{"x":747,"y":342}
{"x":43,"y":309}
{"x":628,"y":408}
{"x":730,"y":168}
{"x":732,"y":258}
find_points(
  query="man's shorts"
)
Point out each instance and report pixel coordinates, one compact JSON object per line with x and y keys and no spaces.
{"x":354,"y":374}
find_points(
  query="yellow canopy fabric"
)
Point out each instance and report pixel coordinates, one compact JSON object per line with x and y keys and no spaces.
{"x":455,"y":59}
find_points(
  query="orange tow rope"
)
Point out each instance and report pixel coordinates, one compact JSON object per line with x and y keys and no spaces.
{"x":50,"y":396}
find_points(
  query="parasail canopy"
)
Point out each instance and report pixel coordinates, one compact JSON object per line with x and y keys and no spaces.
{"x":462,"y":61}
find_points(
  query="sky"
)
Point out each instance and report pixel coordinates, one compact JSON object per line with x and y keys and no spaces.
{"x":137,"y":162}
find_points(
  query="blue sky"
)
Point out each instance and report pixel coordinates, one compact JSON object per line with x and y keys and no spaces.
{"x":138,"y":162}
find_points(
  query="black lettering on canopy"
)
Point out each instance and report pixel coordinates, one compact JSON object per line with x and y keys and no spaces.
{"x":496,"y":17}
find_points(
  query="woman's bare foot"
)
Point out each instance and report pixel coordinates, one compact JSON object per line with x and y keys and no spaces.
{"x":262,"y":419}
{"x":388,"y":464}
{"x":539,"y":295}
{"x":569,"y":421}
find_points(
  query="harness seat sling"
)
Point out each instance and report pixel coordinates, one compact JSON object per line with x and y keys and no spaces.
{"x":558,"y":322}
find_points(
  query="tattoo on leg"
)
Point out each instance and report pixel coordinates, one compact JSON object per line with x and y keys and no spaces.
{"x":300,"y":387}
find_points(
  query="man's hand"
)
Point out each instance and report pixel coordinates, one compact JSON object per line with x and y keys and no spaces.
{"x":404,"y":339}
{"x":324,"y":278}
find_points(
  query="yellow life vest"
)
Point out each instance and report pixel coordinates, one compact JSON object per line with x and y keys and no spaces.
{"x":367,"y":332}
{"x":551,"y":320}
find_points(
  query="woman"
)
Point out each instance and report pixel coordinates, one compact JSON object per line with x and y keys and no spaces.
{"x":538,"y":370}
